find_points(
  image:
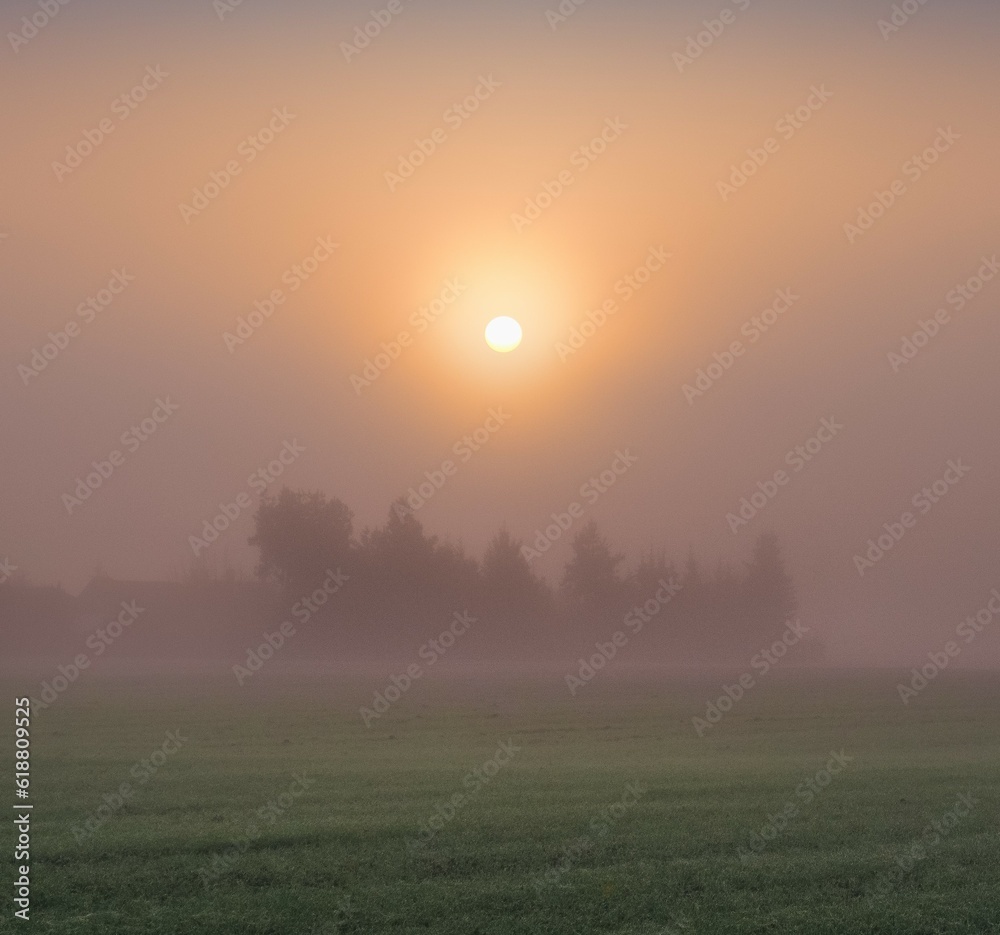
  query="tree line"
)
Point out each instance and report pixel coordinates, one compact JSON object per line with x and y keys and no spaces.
{"x":402,"y":582}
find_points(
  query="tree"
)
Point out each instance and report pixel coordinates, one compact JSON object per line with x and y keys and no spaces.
{"x":591,"y":583}
{"x":723,"y":633}
{"x":301,"y":536}
{"x":510,"y":591}
{"x":769,"y":594}
{"x":455,"y":579}
{"x":661,"y":633}
{"x":693,"y":580}
{"x":653,"y":568}
{"x":411,"y":580}
{"x":400,"y":554}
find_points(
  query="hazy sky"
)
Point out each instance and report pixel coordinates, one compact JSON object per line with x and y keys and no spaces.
{"x":458,"y":156}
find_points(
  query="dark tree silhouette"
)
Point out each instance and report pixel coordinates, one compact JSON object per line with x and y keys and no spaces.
{"x":592,"y":588}
{"x":514,"y":601}
{"x":301,"y":535}
{"x":406,"y":585}
{"x":411,"y":580}
{"x":769,"y":597}
{"x":661,"y":632}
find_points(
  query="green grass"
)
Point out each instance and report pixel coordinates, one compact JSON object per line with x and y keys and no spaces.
{"x":337,"y":860}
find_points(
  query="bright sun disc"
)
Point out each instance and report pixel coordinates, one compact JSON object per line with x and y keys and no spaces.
{"x":503,"y":334}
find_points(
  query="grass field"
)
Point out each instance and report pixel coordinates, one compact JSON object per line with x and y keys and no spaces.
{"x":605,"y":814}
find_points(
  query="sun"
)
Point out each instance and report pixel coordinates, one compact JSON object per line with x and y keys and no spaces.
{"x":503,"y":334}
